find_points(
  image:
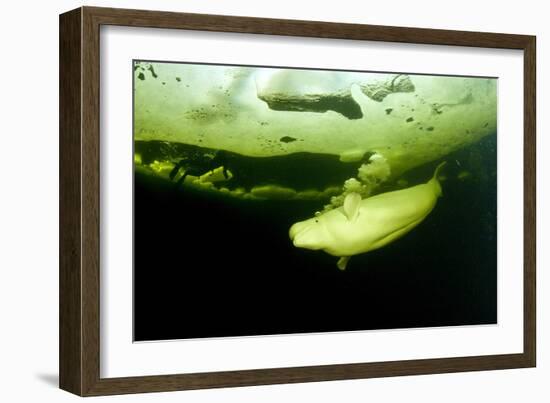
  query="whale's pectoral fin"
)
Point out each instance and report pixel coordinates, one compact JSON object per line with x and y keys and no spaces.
{"x":352,"y":202}
{"x":343,"y":262}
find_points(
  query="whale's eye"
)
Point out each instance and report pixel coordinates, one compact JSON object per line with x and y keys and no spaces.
{"x":316,"y":220}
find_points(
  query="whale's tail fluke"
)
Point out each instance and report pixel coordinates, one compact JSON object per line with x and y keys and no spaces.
{"x":439,"y":167}
{"x":435,"y":180}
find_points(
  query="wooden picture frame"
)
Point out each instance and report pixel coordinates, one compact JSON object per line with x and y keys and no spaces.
{"x":79,"y":201}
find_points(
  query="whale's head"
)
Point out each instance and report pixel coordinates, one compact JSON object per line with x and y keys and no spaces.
{"x":310,"y":234}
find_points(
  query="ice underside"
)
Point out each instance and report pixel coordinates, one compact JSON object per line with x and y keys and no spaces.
{"x":225,"y":108}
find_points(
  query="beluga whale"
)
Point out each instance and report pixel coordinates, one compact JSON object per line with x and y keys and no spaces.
{"x":362,"y":225}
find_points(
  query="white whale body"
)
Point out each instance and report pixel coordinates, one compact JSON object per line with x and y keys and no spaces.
{"x":360,"y":226}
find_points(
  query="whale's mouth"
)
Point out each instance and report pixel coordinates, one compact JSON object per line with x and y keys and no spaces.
{"x":303,"y":235}
{"x":296,"y":230}
{"x":297,"y":175}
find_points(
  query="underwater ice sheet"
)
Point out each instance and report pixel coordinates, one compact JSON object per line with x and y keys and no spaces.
{"x":410,"y":119}
{"x":228,"y":158}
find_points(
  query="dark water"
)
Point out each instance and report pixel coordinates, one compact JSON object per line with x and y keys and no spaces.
{"x":213,"y":266}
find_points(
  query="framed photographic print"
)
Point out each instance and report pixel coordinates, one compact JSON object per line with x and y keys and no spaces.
{"x":249,"y":201}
